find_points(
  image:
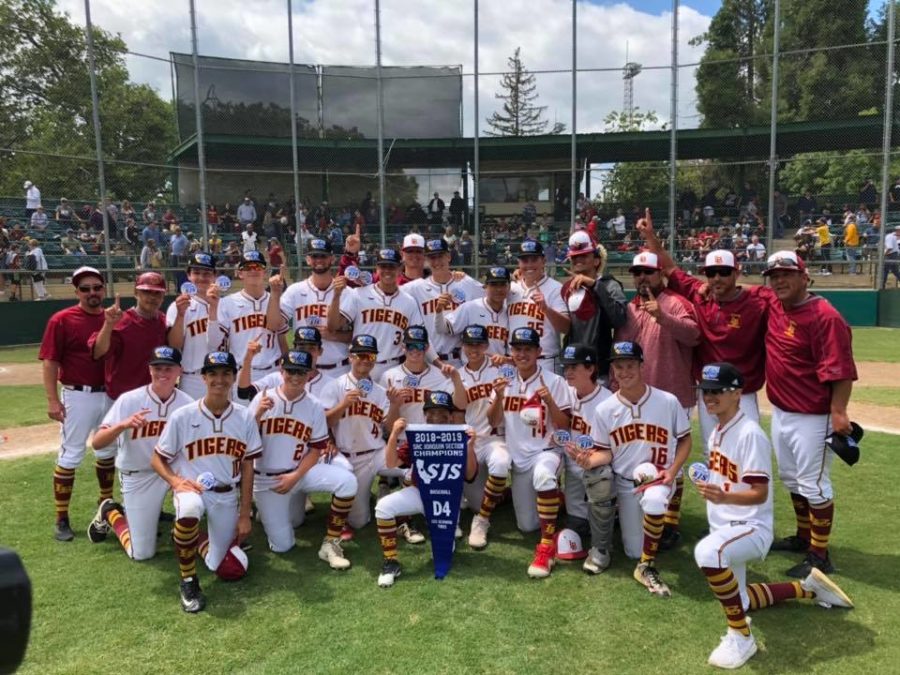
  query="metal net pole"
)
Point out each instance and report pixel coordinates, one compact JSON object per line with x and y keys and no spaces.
{"x":380,"y":93}
{"x":673,"y":136}
{"x":298,"y":240}
{"x":886,"y":139}
{"x":773,"y":130}
{"x":201,"y":154}
{"x":476,"y":215}
{"x":573,"y":168}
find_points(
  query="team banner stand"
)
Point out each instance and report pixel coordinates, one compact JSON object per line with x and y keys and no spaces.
{"x":438,"y":454}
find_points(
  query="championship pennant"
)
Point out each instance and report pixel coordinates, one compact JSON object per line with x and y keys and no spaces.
{"x":438,"y":454}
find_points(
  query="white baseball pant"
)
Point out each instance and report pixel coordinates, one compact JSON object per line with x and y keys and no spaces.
{"x":84,"y":413}
{"x":298,"y":500}
{"x":632,"y":507}
{"x":804,"y":461}
{"x":494,"y":460}
{"x":404,"y":502}
{"x":526,"y":483}
{"x":365,"y":467}
{"x":221,"y":509}
{"x":143,"y":493}
{"x":733,"y":547}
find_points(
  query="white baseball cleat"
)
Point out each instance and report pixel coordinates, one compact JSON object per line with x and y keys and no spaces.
{"x":596,"y":561}
{"x":648,"y":576}
{"x":410,"y":534}
{"x":332,"y":553}
{"x":98,"y":529}
{"x":734,"y":650}
{"x":478,"y":534}
{"x":828,"y":593}
{"x":390,"y":570}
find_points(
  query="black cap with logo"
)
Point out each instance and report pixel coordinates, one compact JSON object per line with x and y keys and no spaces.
{"x":497,"y":275}
{"x":474,"y":335}
{"x":297,"y":361}
{"x":363,"y":344}
{"x":626,"y":350}
{"x":165,"y":356}
{"x":579,"y":353}
{"x":525,"y":336}
{"x":215,"y":360}
{"x":720,"y":377}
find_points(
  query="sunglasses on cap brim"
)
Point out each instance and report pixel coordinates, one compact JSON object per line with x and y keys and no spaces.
{"x":784,"y":264}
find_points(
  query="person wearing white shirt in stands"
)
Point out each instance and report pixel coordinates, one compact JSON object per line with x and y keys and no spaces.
{"x":32,"y":199}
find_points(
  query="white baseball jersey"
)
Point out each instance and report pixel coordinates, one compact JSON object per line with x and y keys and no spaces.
{"x":479,"y":396}
{"x":426,"y":292}
{"x":242,"y":319}
{"x":646,"y":431}
{"x":135,"y":446}
{"x":372,"y":312}
{"x":430,"y":379}
{"x":359,"y":428}
{"x":524,"y":313}
{"x":303,"y":304}
{"x":525,"y":442}
{"x":584,"y":409}
{"x":196,"y":320}
{"x":740,"y":455}
{"x":314,"y":385}
{"x":287,"y":430}
{"x":479,"y":312}
{"x":196,"y":441}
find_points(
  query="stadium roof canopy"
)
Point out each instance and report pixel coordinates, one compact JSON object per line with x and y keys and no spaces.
{"x":361,"y":154}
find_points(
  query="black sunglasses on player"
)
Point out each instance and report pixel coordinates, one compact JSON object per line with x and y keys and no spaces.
{"x":711,"y":272}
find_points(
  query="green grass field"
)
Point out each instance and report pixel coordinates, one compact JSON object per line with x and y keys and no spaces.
{"x":94,"y":610}
{"x":26,"y":354}
{"x":886,"y":396}
{"x":22,"y":406}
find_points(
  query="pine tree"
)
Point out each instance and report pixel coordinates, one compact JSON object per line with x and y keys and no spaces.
{"x":520,"y":116}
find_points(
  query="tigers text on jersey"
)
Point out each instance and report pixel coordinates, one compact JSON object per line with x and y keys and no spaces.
{"x":135,"y":446}
{"x":196,"y":320}
{"x":288,"y":429}
{"x":524,"y":313}
{"x":526,"y":442}
{"x":646,"y":431}
{"x":314,"y":385}
{"x":303,"y":304}
{"x":372,"y":312}
{"x":479,"y":312}
{"x":242,"y":319}
{"x":479,"y":396}
{"x":359,"y":428}
{"x":740,"y":455}
{"x":430,"y":379}
{"x":195,"y":441}
{"x":426,"y":292}
{"x":584,"y":409}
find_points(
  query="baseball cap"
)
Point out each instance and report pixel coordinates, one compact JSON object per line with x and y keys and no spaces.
{"x":436,"y":247}
{"x":497,"y":275}
{"x":580,"y":243}
{"x":388,"y":256}
{"x":318,"y":247}
{"x":307,"y":335}
{"x":150,"y":281}
{"x":165,"y":356}
{"x":252,"y":258}
{"x":85,"y":271}
{"x":413,"y":241}
{"x":438,"y":399}
{"x":645,"y":260}
{"x":363,"y":344}
{"x":579,"y":353}
{"x":27,"y":184}
{"x":415,"y":335}
{"x":569,"y":546}
{"x":720,"y":377}
{"x":215,"y":360}
{"x":297,"y":361}
{"x":202,"y":261}
{"x":720,"y":258}
{"x":784,"y":260}
{"x":474,"y":335}
{"x":525,"y":336}
{"x":626,"y":350}
{"x":846,"y":447}
{"x":530,"y":248}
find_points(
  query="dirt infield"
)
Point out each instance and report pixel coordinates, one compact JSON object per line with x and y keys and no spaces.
{"x":44,"y":438}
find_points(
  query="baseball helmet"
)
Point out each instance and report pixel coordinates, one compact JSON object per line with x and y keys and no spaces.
{"x":215,"y":360}
{"x":474,"y":335}
{"x":234,"y":565}
{"x":307,"y":335}
{"x":569,"y":546}
{"x":626,"y":350}
{"x":497,"y":275}
{"x":297,"y":361}
{"x":363,"y":344}
{"x":165,"y":356}
{"x":529,"y":248}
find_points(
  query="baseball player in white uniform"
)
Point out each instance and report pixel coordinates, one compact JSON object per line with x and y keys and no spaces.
{"x":442,"y":291}
{"x":590,"y":495}
{"x":407,"y":501}
{"x":535,"y":301}
{"x":381,"y":310}
{"x":531,"y":407}
{"x":641,"y":426}
{"x":295,"y":437}
{"x":132,"y":427}
{"x":215,"y":442}
{"x":357,"y":410}
{"x":306,"y":303}
{"x":735,"y":485}
{"x":478,"y":378}
{"x":489,"y":311}
{"x":188,"y":319}
{"x":252,"y":313}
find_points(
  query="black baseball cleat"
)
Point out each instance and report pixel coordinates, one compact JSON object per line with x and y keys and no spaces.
{"x":192,"y":598}
{"x":802,"y":570}
{"x":669,"y":538}
{"x":793,"y":544}
{"x":390,"y":570}
{"x":63,"y":531}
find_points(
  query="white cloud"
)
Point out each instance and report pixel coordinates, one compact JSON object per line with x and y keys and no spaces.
{"x":432,"y":32}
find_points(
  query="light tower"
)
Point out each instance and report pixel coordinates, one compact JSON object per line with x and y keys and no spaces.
{"x":631,"y":71}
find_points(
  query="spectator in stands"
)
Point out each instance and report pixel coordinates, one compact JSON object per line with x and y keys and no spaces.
{"x":149,"y":213}
{"x":65,"y":214}
{"x":36,"y":263}
{"x":366,"y":205}
{"x":32,"y":199}
{"x":249,"y":237}
{"x":232,"y":255}
{"x":618,"y":225}
{"x":322,"y":216}
{"x":151,"y":231}
{"x":86,"y":211}
{"x":823,"y":235}
{"x":268,"y":224}
{"x":127,"y":211}
{"x":894,"y":196}
{"x":112,"y":212}
{"x":806,"y":241}
{"x":863,"y":215}
{"x":466,"y":248}
{"x":212,"y":217}
{"x":96,"y":219}
{"x":458,"y":209}
{"x":246,"y":213}
{"x":276,"y":255}
{"x":732,"y":200}
{"x":756,"y":255}
{"x":726,"y":239}
{"x":851,"y":244}
{"x":169,"y":219}
{"x":12,"y":262}
{"x":215,"y":243}
{"x":751,"y":208}
{"x":807,"y":205}
{"x":17,"y":233}
{"x":228,"y":218}
{"x":151,"y":256}
{"x":868,"y":195}
{"x":710,"y":201}
{"x":358,"y":219}
{"x":336,"y":237}
{"x":131,"y":236}
{"x":891,"y":256}
{"x":740,"y":245}
{"x":178,"y":254}
{"x":39,"y":220}
{"x":70,"y":245}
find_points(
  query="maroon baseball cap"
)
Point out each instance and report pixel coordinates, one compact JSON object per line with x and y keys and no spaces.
{"x":150,"y":281}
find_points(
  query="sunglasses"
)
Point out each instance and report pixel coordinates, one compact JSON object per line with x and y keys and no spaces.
{"x":789,"y":263}
{"x":96,"y":288}
{"x":712,"y":272}
{"x":644,"y":272}
{"x":365,"y":356}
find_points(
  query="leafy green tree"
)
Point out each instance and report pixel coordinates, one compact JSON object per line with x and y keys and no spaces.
{"x":635,"y":182}
{"x":520,"y":116}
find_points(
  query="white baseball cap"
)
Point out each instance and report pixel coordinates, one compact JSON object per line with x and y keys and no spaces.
{"x":413,"y":241}
{"x":569,"y":546}
{"x":27,"y":184}
{"x":581,"y":243}
{"x":83,"y":272}
{"x":645,"y":260}
{"x":720,"y":258}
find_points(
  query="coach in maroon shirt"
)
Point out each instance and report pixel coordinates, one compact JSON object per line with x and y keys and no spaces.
{"x":80,"y":403}
{"x":127,"y":339}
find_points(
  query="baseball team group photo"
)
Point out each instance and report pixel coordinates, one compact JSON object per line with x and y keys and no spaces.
{"x":634,"y":383}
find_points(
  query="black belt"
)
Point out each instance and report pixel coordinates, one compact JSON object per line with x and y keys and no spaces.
{"x":191,"y":372}
{"x":454,"y":354}
{"x":358,"y":454}
{"x":330,"y":366}
{"x":83,"y":387}
{"x":396,"y":359}
{"x":135,"y":471}
{"x":263,"y":368}
{"x":222,"y":488}
{"x":277,"y":473}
